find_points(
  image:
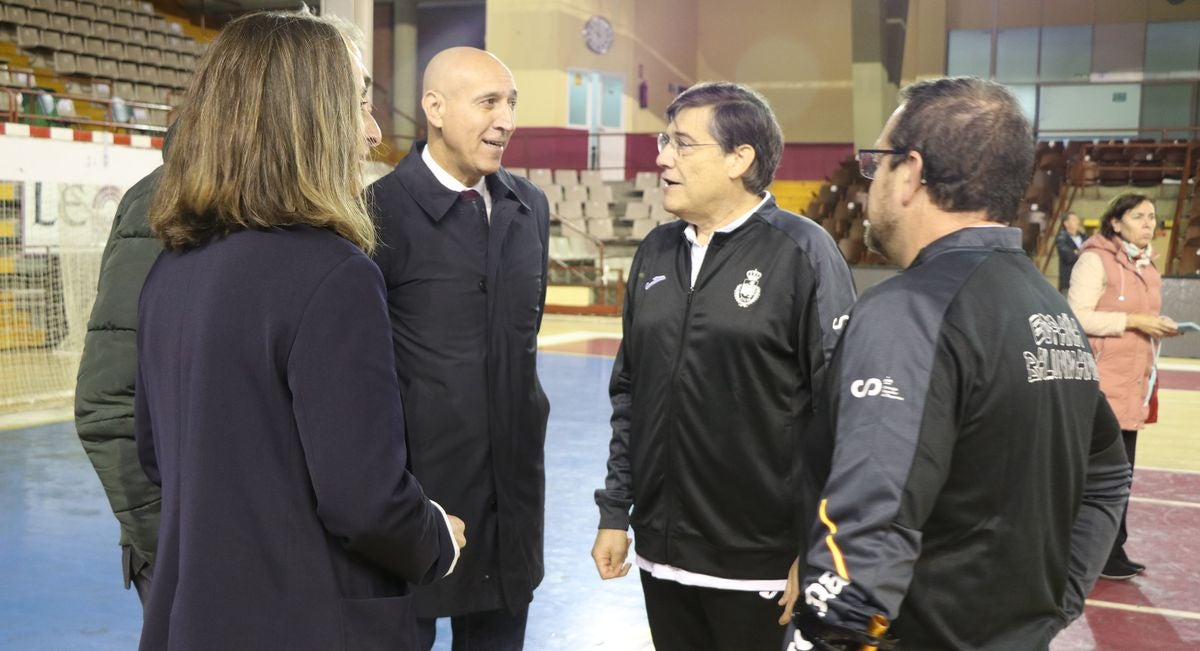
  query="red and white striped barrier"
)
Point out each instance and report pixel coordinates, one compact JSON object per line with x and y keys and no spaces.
{"x":98,"y":137}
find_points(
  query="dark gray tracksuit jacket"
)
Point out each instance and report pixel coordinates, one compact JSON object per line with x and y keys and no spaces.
{"x":977,"y":474}
{"x":713,"y":392}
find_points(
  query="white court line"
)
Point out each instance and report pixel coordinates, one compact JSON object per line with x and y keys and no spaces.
{"x":1178,"y":366}
{"x":572,"y":337}
{"x":1146,"y":610}
{"x":1151,"y":500}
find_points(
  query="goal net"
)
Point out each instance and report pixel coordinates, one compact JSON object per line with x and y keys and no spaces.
{"x":52,"y":236}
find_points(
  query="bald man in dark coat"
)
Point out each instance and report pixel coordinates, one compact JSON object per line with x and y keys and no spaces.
{"x":463,"y":250}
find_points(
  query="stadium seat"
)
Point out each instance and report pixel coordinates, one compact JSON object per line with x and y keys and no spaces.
{"x":646,"y":180}
{"x":86,"y":65}
{"x":600,"y":193}
{"x":72,"y":43}
{"x":13,"y":14}
{"x":652,"y":195}
{"x":575,"y":192}
{"x":642,"y":228}
{"x":569,"y":209}
{"x":541,"y":177}
{"x":601,"y":228}
{"x":566,"y":178}
{"x":591,"y":178}
{"x":51,"y":40}
{"x":64,"y":63}
{"x":517,"y":171}
{"x":596,"y":210}
{"x":635,"y":210}
{"x":28,"y":36}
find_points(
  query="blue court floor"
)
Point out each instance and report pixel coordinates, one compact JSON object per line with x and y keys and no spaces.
{"x":60,"y":580}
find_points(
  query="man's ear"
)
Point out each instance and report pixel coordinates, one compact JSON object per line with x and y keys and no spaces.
{"x":913,"y":176}
{"x":433,"y":103}
{"x":739,"y":161}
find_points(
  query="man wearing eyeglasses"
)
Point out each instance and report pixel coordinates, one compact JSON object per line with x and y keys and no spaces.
{"x":976,"y":475}
{"x":729,"y":318}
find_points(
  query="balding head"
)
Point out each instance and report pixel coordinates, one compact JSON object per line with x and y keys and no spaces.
{"x":469,"y":99}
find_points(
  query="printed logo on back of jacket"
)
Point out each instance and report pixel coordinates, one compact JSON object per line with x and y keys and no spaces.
{"x":1060,"y":351}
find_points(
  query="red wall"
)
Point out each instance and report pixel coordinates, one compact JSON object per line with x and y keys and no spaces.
{"x":549,"y":147}
{"x":559,"y":148}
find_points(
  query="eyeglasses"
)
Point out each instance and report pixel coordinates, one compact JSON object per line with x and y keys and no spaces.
{"x":680,"y":148}
{"x":869,"y":159}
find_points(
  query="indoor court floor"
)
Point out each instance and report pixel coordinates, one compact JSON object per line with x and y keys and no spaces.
{"x":60,"y":575}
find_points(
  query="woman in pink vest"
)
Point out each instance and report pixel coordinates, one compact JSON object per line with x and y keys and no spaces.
{"x":1117,"y":294}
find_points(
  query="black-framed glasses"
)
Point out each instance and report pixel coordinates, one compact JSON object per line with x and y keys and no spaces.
{"x":869,"y":159}
{"x":680,"y":147}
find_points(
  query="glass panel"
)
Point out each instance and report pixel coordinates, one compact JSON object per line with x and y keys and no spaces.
{"x":1066,"y":53}
{"x":1167,"y":105}
{"x":610,"y":103}
{"x":577,"y":96}
{"x":1111,"y":109}
{"x":1027,"y":96}
{"x":1119,"y":48}
{"x":969,"y":53}
{"x":1017,"y":54}
{"x":1173,"y":47}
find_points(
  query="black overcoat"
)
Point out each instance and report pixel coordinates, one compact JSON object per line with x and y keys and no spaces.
{"x":268,"y":409}
{"x":466,"y":301}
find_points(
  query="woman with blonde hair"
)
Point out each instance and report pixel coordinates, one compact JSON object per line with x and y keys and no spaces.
{"x":267,"y":404}
{"x":1116,"y":292}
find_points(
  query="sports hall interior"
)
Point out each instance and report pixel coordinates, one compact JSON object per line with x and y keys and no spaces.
{"x":88,"y":87}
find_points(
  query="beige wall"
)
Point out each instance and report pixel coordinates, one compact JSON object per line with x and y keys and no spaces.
{"x":795,"y":52}
{"x":924,"y":42}
{"x":798,"y":53}
{"x":541,"y":39}
{"x":805,"y":71}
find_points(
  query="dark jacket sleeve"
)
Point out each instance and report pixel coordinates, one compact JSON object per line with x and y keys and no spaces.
{"x":346,"y":401}
{"x":834,"y":289}
{"x":1105,"y":494}
{"x":616,"y":498}
{"x":867,"y":536}
{"x":105,"y":384}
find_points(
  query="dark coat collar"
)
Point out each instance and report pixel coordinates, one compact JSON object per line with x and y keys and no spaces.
{"x":435,"y":199}
{"x":983,"y":237}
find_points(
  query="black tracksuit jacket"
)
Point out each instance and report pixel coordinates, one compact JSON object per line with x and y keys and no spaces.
{"x":713,"y":388}
{"x":977,"y":474}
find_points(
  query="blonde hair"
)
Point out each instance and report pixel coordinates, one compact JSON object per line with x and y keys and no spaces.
{"x":271,"y":135}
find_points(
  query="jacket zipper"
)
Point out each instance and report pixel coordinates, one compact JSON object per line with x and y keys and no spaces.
{"x":675,"y":431}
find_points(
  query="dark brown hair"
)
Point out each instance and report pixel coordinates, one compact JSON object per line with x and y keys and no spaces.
{"x":976,"y":145}
{"x":1116,"y":209}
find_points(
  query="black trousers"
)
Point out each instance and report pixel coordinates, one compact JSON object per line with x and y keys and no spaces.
{"x":490,"y":630}
{"x":1129,"y":437}
{"x":688,"y":618}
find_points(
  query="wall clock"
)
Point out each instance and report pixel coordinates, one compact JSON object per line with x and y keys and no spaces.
{"x":598,"y":34}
